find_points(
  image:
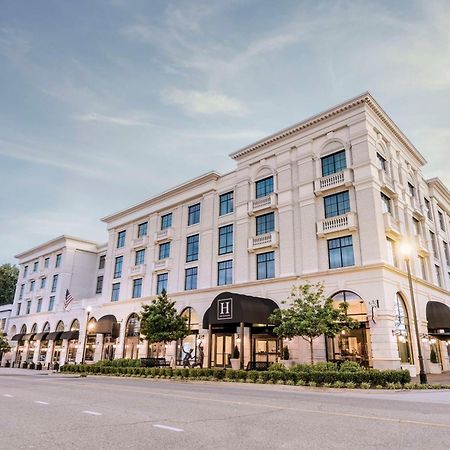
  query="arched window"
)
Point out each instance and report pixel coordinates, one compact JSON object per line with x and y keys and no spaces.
{"x":60,"y":326}
{"x":46,"y":328}
{"x":402,"y":331}
{"x":133,"y":326}
{"x":356,"y":308}
{"x":132,"y":333}
{"x":23,"y":330}
{"x":34,"y":328}
{"x":75,"y":325}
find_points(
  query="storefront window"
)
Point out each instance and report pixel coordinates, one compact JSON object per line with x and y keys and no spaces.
{"x":191,"y":341}
{"x":90,"y":341}
{"x":402,"y":331}
{"x":132,"y":337}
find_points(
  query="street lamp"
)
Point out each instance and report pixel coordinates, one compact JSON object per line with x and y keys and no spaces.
{"x":406,"y":250}
{"x":88,"y":311}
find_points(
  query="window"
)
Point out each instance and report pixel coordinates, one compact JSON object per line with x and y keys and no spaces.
{"x":441,"y":220}
{"x":411,"y":189}
{"x":161,"y":283}
{"x":423,"y":267}
{"x":46,"y":262}
{"x":416,"y":225}
{"x":166,"y":221}
{"x":265,"y":263}
{"x":164,"y":250}
{"x":225,"y":203}
{"x":19,"y":305}
{"x":54,"y":282}
{"x":446,"y":253}
{"x":265,"y":223}
{"x":32,"y":285}
{"x":386,"y":203}
{"x":401,"y":327}
{"x":224,"y":272}
{"x":43,"y":282}
{"x":118,"y":267}
{"x":334,"y":163}
{"x":433,"y":244}
{"x":336,"y":204}
{"x":101,"y":262}
{"x":194,"y":214}
{"x":22,"y":288}
{"x":137,"y":288}
{"x":226,"y":239}
{"x":115,"y":292}
{"x":340,"y":252}
{"x":192,"y":248}
{"x":28,"y":307}
{"x":264,"y":187}
{"x":140,"y":257}
{"x":428,"y":208}
{"x":99,"y":286}
{"x":51,"y":303}
{"x":39,"y":305}
{"x":121,"y":239}
{"x":438,"y":275}
{"x":142,"y":229}
{"x":190,"y":279}
{"x":35,"y":266}
{"x":58,"y":260}
{"x":382,"y":162}
{"x":25,"y":271}
{"x":391,"y":255}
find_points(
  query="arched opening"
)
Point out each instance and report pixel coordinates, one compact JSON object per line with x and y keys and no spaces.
{"x":402,"y":330}
{"x":23,"y":329}
{"x":57,"y":344}
{"x":32,"y":343}
{"x":44,"y":342}
{"x":132,"y":333}
{"x":110,"y":329}
{"x":75,"y":325}
{"x":73,"y":341}
{"x":20,"y":346}
{"x":188,"y":347}
{"x":351,"y":345}
{"x":91,"y":340}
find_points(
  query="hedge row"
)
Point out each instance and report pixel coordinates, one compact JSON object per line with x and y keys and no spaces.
{"x":368,"y":377}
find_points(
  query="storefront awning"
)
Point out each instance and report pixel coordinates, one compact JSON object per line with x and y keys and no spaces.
{"x":40,"y":336}
{"x":108,"y":325}
{"x":231,"y":308}
{"x":70,"y":335}
{"x":28,"y":337}
{"x":18,"y":337}
{"x":438,"y":316}
{"x":55,"y":335}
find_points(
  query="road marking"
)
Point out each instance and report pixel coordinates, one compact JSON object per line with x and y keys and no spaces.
{"x":8,"y":395}
{"x":165,"y":427}
{"x":41,"y":403}
{"x":92,"y":413}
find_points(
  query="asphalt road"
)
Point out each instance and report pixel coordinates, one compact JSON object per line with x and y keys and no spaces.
{"x":63,"y":412}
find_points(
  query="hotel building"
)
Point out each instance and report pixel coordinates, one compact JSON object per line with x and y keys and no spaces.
{"x":328,"y":200}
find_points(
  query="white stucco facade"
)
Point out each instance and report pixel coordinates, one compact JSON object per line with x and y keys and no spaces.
{"x":318,"y":200}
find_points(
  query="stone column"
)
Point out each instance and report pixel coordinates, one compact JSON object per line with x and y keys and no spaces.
{"x":63,"y":354}
{"x":48,"y":356}
{"x":98,"y":347}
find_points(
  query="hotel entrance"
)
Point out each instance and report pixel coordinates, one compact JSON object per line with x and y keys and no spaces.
{"x":223,"y":345}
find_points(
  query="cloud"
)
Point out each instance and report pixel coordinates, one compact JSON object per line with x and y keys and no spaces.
{"x":115,"y":120}
{"x":207,"y":103}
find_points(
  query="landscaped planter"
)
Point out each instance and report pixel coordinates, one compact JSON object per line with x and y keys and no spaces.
{"x":412,"y":369}
{"x":235,"y":363}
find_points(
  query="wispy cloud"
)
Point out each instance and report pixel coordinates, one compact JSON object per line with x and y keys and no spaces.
{"x":139,"y":120}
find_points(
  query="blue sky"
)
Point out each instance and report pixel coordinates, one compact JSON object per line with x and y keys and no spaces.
{"x":104,"y":103}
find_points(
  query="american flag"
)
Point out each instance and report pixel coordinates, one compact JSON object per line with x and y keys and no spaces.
{"x":68,"y":299}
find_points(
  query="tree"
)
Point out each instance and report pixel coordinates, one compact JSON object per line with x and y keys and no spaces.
{"x":8,"y":281}
{"x":160,"y":321}
{"x":310,"y":314}
{"x":4,"y":345}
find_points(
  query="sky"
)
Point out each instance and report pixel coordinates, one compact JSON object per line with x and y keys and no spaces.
{"x":104,"y":103}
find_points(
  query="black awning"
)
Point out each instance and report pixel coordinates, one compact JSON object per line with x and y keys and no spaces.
{"x":70,"y":335}
{"x":18,"y":337}
{"x":438,"y":316}
{"x":28,"y":337}
{"x":107,"y":325}
{"x":41,"y":336}
{"x":232,"y":308}
{"x":441,"y":336}
{"x":55,"y":335}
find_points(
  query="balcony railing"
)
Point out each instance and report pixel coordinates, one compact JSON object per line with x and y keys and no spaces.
{"x":391,"y":225}
{"x":162,"y":264}
{"x":140,"y":241}
{"x":338,"y":223}
{"x":343,"y":178}
{"x":422,"y":248}
{"x":137,"y":270}
{"x":263,"y":240}
{"x":387,"y":183}
{"x":259,"y":204}
{"x":164,"y":234}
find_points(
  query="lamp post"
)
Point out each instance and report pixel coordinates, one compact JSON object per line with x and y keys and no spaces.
{"x":88,"y":311}
{"x":406,"y":250}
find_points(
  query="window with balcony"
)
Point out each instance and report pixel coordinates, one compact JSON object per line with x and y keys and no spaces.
{"x":441,"y":220}
{"x":382,"y":162}
{"x":39,"y":305}
{"x":190,"y":279}
{"x":137,"y":288}
{"x":438,"y":275}
{"x":224,"y":273}
{"x":265,"y":223}
{"x":192,"y":248}
{"x":54,"y":282}
{"x":416,"y":227}
{"x":51,"y":303}
{"x":226,"y":203}
{"x":140,"y":257}
{"x":118,"y":267}
{"x":264,"y":187}
{"x":434,"y":244}
{"x":336,"y":204}
{"x":58,"y":260}
{"x":194,"y":214}
{"x":265,"y":265}
{"x":446,"y":253}
{"x":164,"y":250}
{"x":226,"y":239}
{"x":428,"y":208}
{"x":166,"y":221}
{"x":423,"y":267}
{"x":142,"y":229}
{"x":391,"y":254}
{"x":101,"y":262}
{"x":161,"y":283}
{"x":99,"y":285}
{"x":46,"y":262}
{"x":334,"y":163}
{"x":115,"y":292}
{"x":340,"y":252}
{"x":35,"y":266}
{"x":386,"y":203}
{"x":121,"y":235}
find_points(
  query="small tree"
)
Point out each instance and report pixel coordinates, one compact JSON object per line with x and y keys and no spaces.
{"x":4,"y":344}
{"x":311,"y":315}
{"x":8,"y":280}
{"x":160,"y":321}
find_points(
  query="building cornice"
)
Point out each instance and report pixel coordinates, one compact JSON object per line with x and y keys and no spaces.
{"x":441,"y":188}
{"x":363,"y":99}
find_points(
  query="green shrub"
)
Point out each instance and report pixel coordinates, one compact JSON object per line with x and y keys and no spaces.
{"x":277,"y":367}
{"x":350,"y":366}
{"x":324,"y":367}
{"x":365,"y":385}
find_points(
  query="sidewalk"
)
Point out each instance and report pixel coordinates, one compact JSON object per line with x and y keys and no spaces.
{"x":442,"y":378}
{"x":7,"y":371}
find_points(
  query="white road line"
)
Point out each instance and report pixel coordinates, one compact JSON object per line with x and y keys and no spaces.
{"x":41,"y":403}
{"x":165,"y":427}
{"x":92,"y":413}
{"x":8,"y":395}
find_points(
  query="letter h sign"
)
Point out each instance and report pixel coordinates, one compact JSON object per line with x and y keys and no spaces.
{"x":224,"y":309}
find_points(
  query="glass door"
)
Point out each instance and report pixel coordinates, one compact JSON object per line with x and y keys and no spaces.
{"x":223,"y":348}
{"x":265,"y":349}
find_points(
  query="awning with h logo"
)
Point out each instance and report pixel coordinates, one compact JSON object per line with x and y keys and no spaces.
{"x":231,"y":308}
